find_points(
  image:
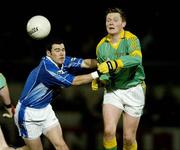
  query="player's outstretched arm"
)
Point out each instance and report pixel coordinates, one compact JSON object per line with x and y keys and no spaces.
{"x":85,"y":79}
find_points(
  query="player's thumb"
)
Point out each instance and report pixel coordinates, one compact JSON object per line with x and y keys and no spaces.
{"x":7,"y":115}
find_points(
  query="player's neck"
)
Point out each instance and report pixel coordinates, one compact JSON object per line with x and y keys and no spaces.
{"x":114,"y":38}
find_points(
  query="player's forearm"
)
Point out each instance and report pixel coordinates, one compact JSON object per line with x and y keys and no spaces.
{"x":82,"y":79}
{"x":4,"y":94}
{"x":89,"y":63}
{"x":130,"y":61}
{"x":85,"y":79}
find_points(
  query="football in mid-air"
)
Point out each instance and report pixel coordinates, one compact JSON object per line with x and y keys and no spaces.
{"x":38,"y":27}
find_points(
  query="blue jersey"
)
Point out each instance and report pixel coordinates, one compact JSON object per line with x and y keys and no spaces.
{"x":38,"y":89}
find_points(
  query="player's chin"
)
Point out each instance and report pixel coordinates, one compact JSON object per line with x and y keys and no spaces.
{"x":112,"y":32}
{"x":61,"y":61}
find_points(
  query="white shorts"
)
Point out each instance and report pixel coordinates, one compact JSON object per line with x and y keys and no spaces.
{"x":130,"y":100}
{"x":33,"y":122}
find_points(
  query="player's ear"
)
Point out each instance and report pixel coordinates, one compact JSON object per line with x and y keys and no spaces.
{"x":48,"y":53}
{"x":123,"y":24}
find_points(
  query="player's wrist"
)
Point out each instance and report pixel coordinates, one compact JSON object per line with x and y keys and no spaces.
{"x":112,"y":65}
{"x":119,"y":63}
{"x":95,"y":74}
{"x":7,"y":105}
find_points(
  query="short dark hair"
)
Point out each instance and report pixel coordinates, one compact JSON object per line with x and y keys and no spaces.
{"x":116,"y":10}
{"x":52,"y":41}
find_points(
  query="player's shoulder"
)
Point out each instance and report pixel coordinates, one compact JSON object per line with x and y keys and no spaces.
{"x":101,"y":41}
{"x":48,"y":64}
{"x":129,"y":35}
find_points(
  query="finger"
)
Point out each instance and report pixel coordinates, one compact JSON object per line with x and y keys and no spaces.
{"x":6,"y":115}
{"x":94,"y":85}
{"x":103,"y":68}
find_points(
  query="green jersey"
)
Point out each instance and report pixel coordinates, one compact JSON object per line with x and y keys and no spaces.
{"x":128,"y":50}
{"x":2,"y":81}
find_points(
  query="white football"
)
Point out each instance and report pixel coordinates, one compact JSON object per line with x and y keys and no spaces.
{"x":38,"y":27}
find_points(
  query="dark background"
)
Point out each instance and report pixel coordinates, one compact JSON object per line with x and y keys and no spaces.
{"x":82,"y":24}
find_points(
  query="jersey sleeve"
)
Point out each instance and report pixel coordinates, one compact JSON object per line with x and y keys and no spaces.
{"x":2,"y":81}
{"x":134,"y":54}
{"x":62,"y":79}
{"x":73,"y":63}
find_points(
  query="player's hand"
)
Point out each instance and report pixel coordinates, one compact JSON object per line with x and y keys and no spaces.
{"x":94,"y":85}
{"x":108,"y":66}
{"x":9,"y":112}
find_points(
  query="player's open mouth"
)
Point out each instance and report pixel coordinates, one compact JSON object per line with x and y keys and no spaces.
{"x":111,"y":28}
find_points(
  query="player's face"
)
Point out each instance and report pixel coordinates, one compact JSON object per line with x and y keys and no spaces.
{"x":114,"y":23}
{"x":57,"y":53}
